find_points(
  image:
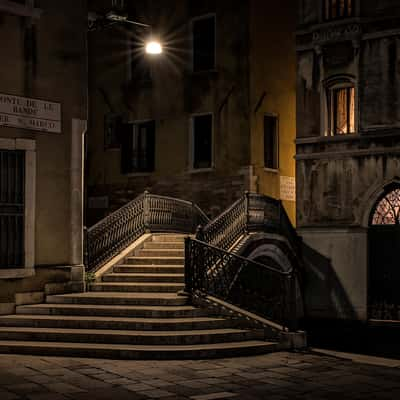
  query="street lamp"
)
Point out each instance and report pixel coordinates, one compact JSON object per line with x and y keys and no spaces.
{"x":153,"y":47}
{"x":97,"y":21}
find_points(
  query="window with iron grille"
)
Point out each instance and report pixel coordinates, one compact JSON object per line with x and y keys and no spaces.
{"x":271,"y":142}
{"x":202,"y":127}
{"x":203,"y":38}
{"x":12,"y":206}
{"x":138,"y":147}
{"x":335,"y":9}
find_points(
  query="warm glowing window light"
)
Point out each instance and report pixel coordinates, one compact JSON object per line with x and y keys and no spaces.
{"x":153,"y":47}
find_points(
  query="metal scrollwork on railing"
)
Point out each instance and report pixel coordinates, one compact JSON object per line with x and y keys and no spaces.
{"x":224,"y":230}
{"x":255,"y":287}
{"x":146,"y":213}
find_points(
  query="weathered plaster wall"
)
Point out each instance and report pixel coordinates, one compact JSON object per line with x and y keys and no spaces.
{"x":50,"y":64}
{"x":249,"y":61}
{"x":339,"y":178}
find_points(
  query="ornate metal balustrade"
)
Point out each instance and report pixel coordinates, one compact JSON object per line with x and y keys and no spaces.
{"x":146,"y":213}
{"x":251,"y":213}
{"x":252,"y":286}
{"x":224,"y":230}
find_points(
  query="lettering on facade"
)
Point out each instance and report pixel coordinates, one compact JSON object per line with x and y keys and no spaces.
{"x":288,"y":188}
{"x":346,"y":32}
{"x":27,"y":113}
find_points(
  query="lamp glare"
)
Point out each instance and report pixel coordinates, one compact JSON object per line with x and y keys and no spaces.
{"x":153,"y":48}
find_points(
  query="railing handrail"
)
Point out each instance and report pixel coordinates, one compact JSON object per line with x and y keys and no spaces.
{"x":114,"y":213}
{"x":222,"y":215}
{"x":145,"y":213}
{"x":245,"y":259}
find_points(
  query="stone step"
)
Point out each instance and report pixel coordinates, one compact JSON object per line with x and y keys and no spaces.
{"x":158,"y":287}
{"x":160,"y":253}
{"x":112,"y":310}
{"x":119,"y":298}
{"x":135,"y":260}
{"x":136,"y":352}
{"x":164,"y":245}
{"x":90,"y":322}
{"x":133,"y":277}
{"x":153,"y":269}
{"x":168,"y":238}
{"x":145,"y":338}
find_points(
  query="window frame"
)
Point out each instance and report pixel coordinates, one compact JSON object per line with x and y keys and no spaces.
{"x":192,"y":168}
{"x":29,"y":147}
{"x":192,"y":21}
{"x":276,"y":117}
{"x":329,"y":86}
{"x":133,"y":171}
{"x":327,"y":5}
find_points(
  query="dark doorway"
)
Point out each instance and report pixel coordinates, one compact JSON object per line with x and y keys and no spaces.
{"x":384,"y":264}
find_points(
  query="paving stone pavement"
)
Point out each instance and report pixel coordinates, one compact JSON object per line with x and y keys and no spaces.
{"x":277,"y":376}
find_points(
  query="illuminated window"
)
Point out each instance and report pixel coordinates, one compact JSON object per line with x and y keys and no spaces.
{"x":335,"y":9}
{"x":341,"y":109}
{"x":387,"y":209}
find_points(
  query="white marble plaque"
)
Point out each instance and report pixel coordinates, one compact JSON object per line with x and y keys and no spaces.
{"x":28,"y":113}
{"x":288,"y":188}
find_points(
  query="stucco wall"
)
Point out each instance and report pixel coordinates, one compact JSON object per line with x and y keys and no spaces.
{"x":273,"y":72}
{"x":55,"y":71}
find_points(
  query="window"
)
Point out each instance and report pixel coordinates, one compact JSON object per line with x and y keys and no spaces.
{"x":203,"y":31}
{"x":202,"y":141}
{"x":271,"y":142}
{"x":112,"y":125}
{"x":341,"y":110}
{"x":137,"y":147}
{"x":387,"y":209}
{"x":335,"y":9}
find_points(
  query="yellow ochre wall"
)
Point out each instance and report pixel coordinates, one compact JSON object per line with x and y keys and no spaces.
{"x":273,"y":70}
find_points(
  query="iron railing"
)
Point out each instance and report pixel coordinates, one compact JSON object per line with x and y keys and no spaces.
{"x":251,"y":213}
{"x":146,"y":213}
{"x":252,"y":286}
{"x":224,"y":230}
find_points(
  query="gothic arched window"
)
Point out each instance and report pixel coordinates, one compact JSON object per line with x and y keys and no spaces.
{"x":387,"y":209}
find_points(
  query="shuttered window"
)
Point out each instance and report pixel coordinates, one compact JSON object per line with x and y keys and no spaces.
{"x":138,"y":147}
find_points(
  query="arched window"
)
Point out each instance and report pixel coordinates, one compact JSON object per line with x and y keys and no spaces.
{"x":387,"y":209}
{"x":341,"y":107}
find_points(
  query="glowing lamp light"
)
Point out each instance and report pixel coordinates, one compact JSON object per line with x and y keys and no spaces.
{"x":153,"y":47}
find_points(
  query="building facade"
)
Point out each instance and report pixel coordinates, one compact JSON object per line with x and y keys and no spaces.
{"x":43,"y":113}
{"x":348,"y":157}
{"x":209,"y":118}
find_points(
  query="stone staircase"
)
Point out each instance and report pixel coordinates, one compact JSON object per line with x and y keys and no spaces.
{"x":135,"y":312}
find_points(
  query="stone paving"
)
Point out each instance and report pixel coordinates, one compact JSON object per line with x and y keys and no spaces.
{"x":277,"y":376}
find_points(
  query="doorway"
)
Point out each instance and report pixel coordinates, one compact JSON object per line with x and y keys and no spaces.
{"x":383,"y":257}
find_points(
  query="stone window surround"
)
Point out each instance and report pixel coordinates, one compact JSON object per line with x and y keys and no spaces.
{"x":29,"y":146}
{"x":191,"y":168}
{"x":334,"y":82}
